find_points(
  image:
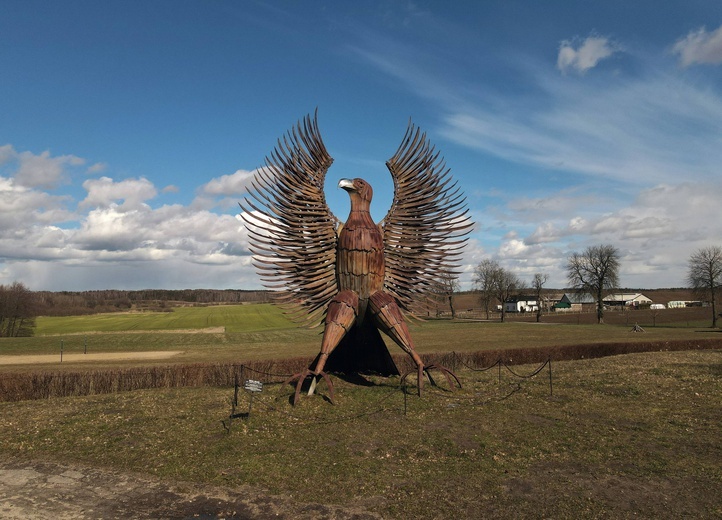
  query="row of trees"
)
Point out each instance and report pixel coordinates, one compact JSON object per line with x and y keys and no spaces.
{"x":67,"y":303}
{"x":594,"y":271}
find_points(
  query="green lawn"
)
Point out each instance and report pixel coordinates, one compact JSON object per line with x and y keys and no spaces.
{"x":235,"y":318}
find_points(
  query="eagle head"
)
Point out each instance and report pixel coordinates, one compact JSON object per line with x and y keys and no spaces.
{"x":357,"y":188}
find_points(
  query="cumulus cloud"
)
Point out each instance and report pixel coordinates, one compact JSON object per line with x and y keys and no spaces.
{"x":656,"y":232}
{"x":105,"y":191}
{"x":584,"y":56}
{"x":22,"y":208}
{"x":226,"y":185}
{"x":223,"y":191}
{"x":700,"y":47}
{"x":43,"y":171}
{"x":113,"y":237}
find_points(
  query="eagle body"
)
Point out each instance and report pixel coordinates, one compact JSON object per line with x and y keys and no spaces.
{"x":360,"y":253}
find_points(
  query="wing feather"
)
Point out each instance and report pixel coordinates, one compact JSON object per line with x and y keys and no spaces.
{"x":427,"y":226}
{"x":291,"y":230}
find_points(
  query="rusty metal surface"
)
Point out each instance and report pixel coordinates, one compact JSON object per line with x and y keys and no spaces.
{"x":358,"y":271}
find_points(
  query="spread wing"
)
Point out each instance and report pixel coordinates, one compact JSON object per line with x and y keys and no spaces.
{"x":291,"y":229}
{"x":426,"y":227}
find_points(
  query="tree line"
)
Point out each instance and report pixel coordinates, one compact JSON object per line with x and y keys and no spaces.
{"x":69,"y":303}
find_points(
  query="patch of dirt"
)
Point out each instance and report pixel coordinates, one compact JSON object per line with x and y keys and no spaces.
{"x":40,"y":490}
{"x":206,"y":330}
{"x":98,"y":356}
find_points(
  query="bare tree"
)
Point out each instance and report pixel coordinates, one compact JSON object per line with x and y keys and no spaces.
{"x":485,"y":275}
{"x":507,"y":284}
{"x":18,"y":309}
{"x":594,"y":270}
{"x":538,"y":284}
{"x":705,"y":275}
{"x":446,"y":286}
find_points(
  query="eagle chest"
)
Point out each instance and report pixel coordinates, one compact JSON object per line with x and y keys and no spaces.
{"x":360,"y":257}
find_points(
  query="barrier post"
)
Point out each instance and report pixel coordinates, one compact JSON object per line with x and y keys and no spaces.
{"x":550,"y":377}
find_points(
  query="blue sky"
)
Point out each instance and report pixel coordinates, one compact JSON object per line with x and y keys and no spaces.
{"x":129,"y":130}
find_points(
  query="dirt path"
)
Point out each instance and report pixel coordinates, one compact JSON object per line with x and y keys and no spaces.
{"x":44,"y":490}
{"x":98,"y":356}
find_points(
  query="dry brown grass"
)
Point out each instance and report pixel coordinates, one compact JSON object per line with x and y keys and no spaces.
{"x":632,"y":436}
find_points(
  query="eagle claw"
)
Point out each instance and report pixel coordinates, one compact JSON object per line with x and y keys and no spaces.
{"x":450,"y":376}
{"x":301,"y":377}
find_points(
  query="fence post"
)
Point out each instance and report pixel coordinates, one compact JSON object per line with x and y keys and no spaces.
{"x":550,"y":377}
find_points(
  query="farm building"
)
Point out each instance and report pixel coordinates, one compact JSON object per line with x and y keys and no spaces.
{"x":627,"y":300}
{"x":521,"y":304}
{"x":576,"y":302}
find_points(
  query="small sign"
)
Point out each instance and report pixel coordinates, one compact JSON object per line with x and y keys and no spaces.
{"x":253,"y":386}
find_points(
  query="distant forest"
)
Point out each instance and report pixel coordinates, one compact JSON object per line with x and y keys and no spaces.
{"x":67,"y":303}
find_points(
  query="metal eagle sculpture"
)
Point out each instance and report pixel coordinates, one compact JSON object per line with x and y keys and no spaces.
{"x":356,"y":277}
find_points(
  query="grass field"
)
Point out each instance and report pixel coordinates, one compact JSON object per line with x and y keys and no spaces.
{"x":234,"y":318}
{"x":236,"y":333}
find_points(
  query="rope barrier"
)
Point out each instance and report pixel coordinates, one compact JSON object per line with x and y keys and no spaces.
{"x":378,"y":406}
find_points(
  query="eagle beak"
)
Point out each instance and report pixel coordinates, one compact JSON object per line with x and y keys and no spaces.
{"x":346,"y":184}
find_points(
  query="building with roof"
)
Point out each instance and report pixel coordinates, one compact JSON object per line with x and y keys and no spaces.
{"x":635,"y":300}
{"x":576,"y":302}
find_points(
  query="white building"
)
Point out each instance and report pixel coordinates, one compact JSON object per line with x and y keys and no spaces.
{"x":626,"y":300}
{"x":521,"y":304}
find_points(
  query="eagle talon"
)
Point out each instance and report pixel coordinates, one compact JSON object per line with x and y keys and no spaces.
{"x":301,"y":377}
{"x":451,"y":378}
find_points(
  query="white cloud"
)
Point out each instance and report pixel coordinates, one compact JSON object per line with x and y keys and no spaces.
{"x":585,"y":56}
{"x":22,"y":207}
{"x":105,"y":191}
{"x":166,"y":231}
{"x":233,"y":184}
{"x":700,"y":47}
{"x":120,"y":241}
{"x":638,"y":131}
{"x":97,"y":167}
{"x":655,"y":233}
{"x":42,"y":170}
{"x":224,"y":191}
